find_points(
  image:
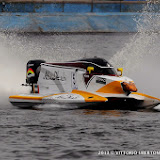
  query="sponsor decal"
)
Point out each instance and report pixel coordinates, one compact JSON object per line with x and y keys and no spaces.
{"x":30,"y":73}
{"x":66,"y":96}
{"x":74,"y":83}
{"x":53,"y":76}
{"x":101,"y":80}
{"x":86,"y":76}
{"x":88,"y":79}
{"x":29,"y":65}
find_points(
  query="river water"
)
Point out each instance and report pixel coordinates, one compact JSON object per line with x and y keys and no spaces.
{"x":62,"y":132}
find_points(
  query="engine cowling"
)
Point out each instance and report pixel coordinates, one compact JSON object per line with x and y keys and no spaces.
{"x":33,"y":70}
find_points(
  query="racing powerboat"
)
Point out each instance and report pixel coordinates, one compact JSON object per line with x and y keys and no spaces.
{"x":88,"y":82}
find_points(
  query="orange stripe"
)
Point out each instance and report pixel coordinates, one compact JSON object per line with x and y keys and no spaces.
{"x":145,"y":95}
{"x":113,"y":87}
{"x":90,"y":97}
{"x":25,"y":97}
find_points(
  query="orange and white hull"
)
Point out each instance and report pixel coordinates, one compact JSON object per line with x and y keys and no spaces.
{"x":72,"y":83}
{"x":85,"y":99}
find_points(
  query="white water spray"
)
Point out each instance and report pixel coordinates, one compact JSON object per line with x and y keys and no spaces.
{"x":17,"y":50}
{"x":140,"y":56}
{"x":11,"y":70}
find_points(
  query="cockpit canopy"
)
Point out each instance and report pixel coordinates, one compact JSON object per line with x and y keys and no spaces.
{"x":98,"y":61}
{"x":100,"y":65}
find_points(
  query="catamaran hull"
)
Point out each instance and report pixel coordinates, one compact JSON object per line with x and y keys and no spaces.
{"x":85,"y":83}
{"x":123,"y":103}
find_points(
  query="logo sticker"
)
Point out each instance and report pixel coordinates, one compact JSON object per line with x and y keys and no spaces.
{"x":30,"y":73}
{"x":53,"y":76}
{"x":74,"y":81}
{"x":66,"y":96}
{"x":101,"y":80}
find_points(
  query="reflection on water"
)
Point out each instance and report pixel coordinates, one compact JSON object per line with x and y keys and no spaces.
{"x":114,"y":113}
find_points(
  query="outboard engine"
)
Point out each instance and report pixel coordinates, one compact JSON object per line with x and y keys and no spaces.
{"x":33,"y":70}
